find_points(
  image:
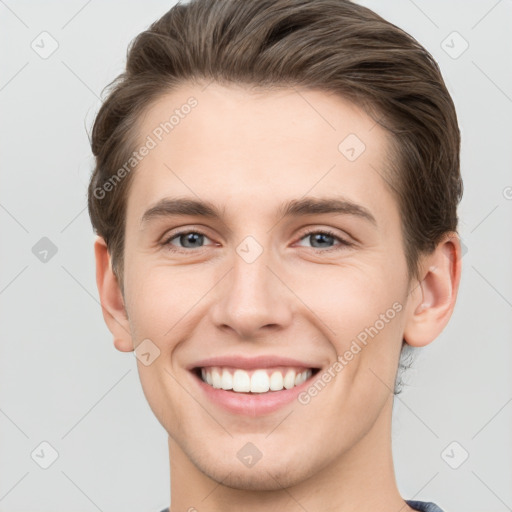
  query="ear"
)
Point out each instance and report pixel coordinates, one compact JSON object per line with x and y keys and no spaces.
{"x":112,"y":303}
{"x":432,"y":300}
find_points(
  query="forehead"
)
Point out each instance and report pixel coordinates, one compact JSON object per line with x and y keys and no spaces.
{"x":235,"y":144}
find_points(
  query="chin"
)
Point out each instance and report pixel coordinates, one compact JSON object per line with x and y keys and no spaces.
{"x":261,"y":477}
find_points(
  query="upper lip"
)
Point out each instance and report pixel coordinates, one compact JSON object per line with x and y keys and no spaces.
{"x":250,"y":363}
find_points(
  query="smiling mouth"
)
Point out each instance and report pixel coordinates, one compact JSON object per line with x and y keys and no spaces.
{"x":257,"y":381}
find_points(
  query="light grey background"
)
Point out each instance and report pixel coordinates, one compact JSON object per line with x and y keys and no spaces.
{"x":63,"y":382}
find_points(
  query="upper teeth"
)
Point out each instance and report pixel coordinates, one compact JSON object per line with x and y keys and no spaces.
{"x":255,"y":381}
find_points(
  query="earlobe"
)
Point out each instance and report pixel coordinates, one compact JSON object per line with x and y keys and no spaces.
{"x":112,"y":303}
{"x":432,"y":301}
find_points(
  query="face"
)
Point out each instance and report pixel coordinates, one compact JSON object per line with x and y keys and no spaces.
{"x":297,"y":265}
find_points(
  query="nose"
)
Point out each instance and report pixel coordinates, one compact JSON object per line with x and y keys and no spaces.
{"x":253,"y":298}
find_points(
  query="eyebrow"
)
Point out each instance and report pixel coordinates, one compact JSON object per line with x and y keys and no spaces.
{"x":294,"y":208}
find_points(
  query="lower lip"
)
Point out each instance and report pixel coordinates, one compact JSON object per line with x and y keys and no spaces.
{"x":254,"y":404}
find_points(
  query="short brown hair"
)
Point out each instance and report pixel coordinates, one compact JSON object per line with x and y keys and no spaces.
{"x":330,"y":45}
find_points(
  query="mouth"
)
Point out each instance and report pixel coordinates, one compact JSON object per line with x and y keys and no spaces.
{"x":252,"y":386}
{"x":256,"y":381}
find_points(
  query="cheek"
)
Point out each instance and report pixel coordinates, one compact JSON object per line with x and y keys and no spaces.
{"x":361,"y":313}
{"x":152,"y":302}
{"x":164,"y":299}
{"x":349,"y":298}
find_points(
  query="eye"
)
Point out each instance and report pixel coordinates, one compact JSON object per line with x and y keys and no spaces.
{"x":183,"y":240}
{"x":323,"y":237}
{"x":189,"y":239}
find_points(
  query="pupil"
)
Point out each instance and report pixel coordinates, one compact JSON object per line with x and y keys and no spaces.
{"x":322,"y":235}
{"x":191,"y":237}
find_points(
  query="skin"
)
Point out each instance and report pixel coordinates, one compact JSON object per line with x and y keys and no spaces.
{"x":249,"y":152}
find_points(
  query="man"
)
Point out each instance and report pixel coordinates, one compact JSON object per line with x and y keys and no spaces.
{"x":275,"y":199}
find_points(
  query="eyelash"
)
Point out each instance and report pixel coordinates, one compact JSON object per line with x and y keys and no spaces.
{"x":343,"y":243}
